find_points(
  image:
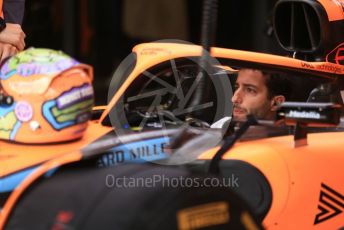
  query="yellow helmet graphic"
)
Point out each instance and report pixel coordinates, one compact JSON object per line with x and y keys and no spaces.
{"x":45,"y":96}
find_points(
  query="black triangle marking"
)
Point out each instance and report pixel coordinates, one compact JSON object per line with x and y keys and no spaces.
{"x":331,"y":204}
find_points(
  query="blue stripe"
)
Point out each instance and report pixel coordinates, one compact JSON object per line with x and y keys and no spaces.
{"x":138,"y":152}
{"x":9,"y":183}
{"x":5,"y":109}
{"x":8,"y":74}
{"x":15,"y":130}
{"x":51,"y":119}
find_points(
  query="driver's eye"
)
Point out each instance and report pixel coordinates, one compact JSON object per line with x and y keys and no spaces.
{"x":250,"y":90}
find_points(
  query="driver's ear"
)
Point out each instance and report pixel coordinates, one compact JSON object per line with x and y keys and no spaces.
{"x":276,"y":101}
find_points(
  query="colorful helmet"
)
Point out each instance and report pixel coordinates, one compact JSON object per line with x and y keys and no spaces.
{"x":45,"y":96}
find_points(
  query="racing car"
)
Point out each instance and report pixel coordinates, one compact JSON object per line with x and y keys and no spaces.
{"x":291,"y":179}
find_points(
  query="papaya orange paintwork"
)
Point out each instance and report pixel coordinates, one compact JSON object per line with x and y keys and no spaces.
{"x":45,"y":167}
{"x":151,"y":54}
{"x":15,"y":157}
{"x":334,"y":9}
{"x":1,"y":14}
{"x":294,"y":174}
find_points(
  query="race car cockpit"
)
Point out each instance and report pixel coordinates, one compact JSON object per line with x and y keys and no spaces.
{"x":290,"y":168}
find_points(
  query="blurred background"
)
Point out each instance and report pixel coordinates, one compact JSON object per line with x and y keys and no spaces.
{"x":102,"y":32}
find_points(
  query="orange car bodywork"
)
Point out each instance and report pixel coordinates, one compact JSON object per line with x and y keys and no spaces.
{"x":295,"y":174}
{"x":151,"y":54}
{"x":1,"y":13}
{"x":15,"y":157}
{"x":298,"y":176}
{"x":18,"y":157}
{"x":334,"y":9}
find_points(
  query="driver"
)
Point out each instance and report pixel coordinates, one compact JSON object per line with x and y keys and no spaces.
{"x":259,"y":93}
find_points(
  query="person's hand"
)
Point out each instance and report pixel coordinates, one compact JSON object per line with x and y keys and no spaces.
{"x":14,"y":35}
{"x":7,"y":50}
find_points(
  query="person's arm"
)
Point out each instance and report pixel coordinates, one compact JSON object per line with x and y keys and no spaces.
{"x":13,"y":11}
{"x":12,"y":38}
{"x":13,"y":35}
{"x":7,"y":50}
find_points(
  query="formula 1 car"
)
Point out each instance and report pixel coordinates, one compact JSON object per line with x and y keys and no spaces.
{"x":290,"y":177}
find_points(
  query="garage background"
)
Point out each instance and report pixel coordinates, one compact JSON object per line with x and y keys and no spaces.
{"x":102,"y":32}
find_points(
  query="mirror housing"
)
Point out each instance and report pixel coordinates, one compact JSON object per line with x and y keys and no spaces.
{"x":309,"y":114}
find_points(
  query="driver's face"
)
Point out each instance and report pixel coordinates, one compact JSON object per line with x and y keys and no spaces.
{"x":251,"y":95}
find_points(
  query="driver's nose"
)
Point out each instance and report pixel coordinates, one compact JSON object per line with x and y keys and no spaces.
{"x":237,"y":97}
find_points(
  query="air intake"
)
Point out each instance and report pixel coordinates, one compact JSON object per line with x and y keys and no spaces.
{"x":302,"y":26}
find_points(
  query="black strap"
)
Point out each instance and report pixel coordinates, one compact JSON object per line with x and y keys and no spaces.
{"x":228,"y":143}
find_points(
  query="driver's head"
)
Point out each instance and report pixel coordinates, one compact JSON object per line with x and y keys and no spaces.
{"x":259,"y":94}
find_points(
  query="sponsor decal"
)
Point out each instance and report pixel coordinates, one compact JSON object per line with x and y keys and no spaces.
{"x":330,"y":68}
{"x":148,"y":150}
{"x":74,"y":96}
{"x":23,"y":111}
{"x":331,"y":204}
{"x":155,"y":51}
{"x":307,"y":65}
{"x":336,"y":55}
{"x":203,"y":216}
{"x":70,"y":108}
{"x":303,"y":114}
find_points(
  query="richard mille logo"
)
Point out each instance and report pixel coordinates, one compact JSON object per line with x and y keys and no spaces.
{"x":331,"y":204}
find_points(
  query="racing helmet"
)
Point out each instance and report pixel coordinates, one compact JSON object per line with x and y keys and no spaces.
{"x":45,"y":96}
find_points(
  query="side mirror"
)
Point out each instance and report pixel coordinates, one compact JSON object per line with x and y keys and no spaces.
{"x":309,"y":114}
{"x":303,"y":115}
